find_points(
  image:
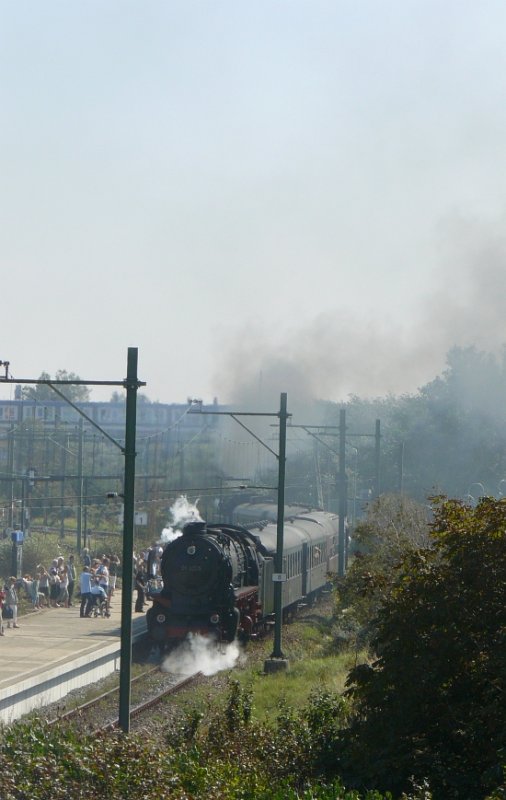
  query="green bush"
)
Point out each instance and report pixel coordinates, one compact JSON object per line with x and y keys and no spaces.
{"x":41,"y":762}
{"x":432,"y":705}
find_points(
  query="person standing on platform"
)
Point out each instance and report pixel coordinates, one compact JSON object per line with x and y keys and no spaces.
{"x":32,"y":589}
{"x":44,"y":584}
{"x":85,"y":589}
{"x":140,"y":586}
{"x":54,"y":587}
{"x":114,"y":563}
{"x":103,"y":575}
{"x":71,"y":570}
{"x":11,"y":600}
{"x":63,"y":597}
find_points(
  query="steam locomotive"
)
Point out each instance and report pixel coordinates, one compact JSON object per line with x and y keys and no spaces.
{"x":218,"y":578}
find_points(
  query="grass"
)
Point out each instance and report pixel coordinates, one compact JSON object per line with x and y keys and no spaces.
{"x":314,"y":664}
{"x":295,"y":686}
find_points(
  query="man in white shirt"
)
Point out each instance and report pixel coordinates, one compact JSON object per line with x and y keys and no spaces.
{"x":85,"y":589}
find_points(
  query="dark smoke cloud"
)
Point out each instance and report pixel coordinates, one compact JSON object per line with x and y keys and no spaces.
{"x":338,"y":354}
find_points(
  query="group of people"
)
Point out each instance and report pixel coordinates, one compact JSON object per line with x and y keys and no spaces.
{"x":53,"y":587}
{"x":97,"y":582}
{"x":146,"y":568}
{"x":57,"y":586}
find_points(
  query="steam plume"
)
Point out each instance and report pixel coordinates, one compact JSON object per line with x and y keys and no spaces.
{"x":199,"y":654}
{"x":181,"y":512}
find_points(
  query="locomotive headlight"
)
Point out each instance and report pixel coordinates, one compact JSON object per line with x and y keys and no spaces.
{"x":215,"y":618}
{"x":191,"y":550}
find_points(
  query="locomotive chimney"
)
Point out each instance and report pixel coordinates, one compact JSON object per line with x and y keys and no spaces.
{"x":194,"y":528}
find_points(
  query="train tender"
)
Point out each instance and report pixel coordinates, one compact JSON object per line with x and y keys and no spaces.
{"x":218,"y":578}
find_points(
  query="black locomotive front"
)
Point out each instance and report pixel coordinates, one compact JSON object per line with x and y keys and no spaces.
{"x":199,"y":570}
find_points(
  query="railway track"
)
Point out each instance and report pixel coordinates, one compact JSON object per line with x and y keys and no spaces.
{"x":148,"y":691}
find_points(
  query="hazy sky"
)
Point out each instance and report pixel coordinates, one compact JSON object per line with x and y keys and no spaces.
{"x":268,"y":196}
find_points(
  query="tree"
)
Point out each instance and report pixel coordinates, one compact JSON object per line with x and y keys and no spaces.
{"x":443,"y":439}
{"x":42,"y":392}
{"x":432,"y":704}
{"x":393,"y":527}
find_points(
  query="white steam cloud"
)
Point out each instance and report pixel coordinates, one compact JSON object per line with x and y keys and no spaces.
{"x":199,"y":654}
{"x":181,"y":512}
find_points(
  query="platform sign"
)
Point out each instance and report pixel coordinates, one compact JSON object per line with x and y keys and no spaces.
{"x":279,"y":577}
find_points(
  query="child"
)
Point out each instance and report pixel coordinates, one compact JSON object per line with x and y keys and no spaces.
{"x":11,"y":600}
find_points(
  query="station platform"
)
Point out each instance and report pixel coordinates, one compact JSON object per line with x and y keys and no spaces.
{"x":55,"y":651}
